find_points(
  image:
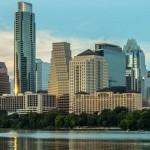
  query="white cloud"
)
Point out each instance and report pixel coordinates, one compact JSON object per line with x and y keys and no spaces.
{"x":6,"y":50}
{"x":45,"y":40}
{"x":44,"y":46}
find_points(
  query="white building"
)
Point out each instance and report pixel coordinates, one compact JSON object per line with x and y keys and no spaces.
{"x":42,"y":75}
{"x":38,"y":103}
{"x":88,"y":72}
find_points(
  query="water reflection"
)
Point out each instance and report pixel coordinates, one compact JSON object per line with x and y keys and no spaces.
{"x":15,"y":143}
{"x":71,"y":144}
{"x":106,"y":145}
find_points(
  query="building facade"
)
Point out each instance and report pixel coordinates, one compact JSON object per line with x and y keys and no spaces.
{"x":59,"y":71}
{"x":24,"y":49}
{"x":88,"y":72}
{"x":4,"y":80}
{"x":63,"y":103}
{"x":30,"y":102}
{"x":91,"y":103}
{"x":115,"y":59}
{"x":136,"y":74}
{"x":42,"y":76}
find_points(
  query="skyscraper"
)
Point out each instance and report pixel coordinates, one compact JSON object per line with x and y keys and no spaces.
{"x":136,"y":74}
{"x":42,"y":75}
{"x":59,"y":71}
{"x":88,"y":72}
{"x":24,"y":49}
{"x":4,"y":80}
{"x":115,"y":59}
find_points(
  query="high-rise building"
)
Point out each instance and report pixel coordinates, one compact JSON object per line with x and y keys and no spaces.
{"x":136,"y":74}
{"x":59,"y":70}
{"x":115,"y":59}
{"x":42,"y":76}
{"x":24,"y":49}
{"x":88,"y":72}
{"x":4,"y":80}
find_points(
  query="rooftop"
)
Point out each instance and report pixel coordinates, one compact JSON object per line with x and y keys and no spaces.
{"x":2,"y":65}
{"x":87,"y":52}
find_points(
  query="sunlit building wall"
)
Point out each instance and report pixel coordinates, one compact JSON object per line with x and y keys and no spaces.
{"x":59,"y":70}
{"x":91,"y":103}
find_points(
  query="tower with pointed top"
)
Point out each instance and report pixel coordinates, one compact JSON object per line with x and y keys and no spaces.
{"x":135,"y":67}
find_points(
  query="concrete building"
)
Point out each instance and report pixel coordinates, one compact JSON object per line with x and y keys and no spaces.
{"x":115,"y":59}
{"x":38,"y":103}
{"x":4,"y":80}
{"x":105,"y":99}
{"x":136,"y":73}
{"x":63,"y":103}
{"x":59,"y":71}
{"x":24,"y":49}
{"x":42,"y":76}
{"x":12,"y":103}
{"x":88,"y":72}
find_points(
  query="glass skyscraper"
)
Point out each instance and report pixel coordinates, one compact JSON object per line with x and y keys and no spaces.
{"x":115,"y":59}
{"x":42,"y":76}
{"x":24,"y":49}
{"x":136,"y":74}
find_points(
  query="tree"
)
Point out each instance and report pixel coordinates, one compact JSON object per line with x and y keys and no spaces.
{"x":59,"y":121}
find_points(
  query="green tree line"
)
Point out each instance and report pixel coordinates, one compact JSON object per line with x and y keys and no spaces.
{"x":55,"y":119}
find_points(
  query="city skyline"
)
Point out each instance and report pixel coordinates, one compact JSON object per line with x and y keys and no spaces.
{"x":78,"y":27}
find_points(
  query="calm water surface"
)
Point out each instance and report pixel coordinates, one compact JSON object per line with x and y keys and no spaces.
{"x":73,"y":140}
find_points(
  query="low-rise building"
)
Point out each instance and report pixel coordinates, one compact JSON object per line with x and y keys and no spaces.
{"x":12,"y":103}
{"x":30,"y":102}
{"x":63,"y":102}
{"x":90,"y":103}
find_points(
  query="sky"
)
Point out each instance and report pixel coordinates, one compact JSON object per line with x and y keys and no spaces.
{"x":82,"y":23}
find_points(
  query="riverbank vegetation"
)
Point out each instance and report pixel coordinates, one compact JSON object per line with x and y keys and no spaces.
{"x":55,"y":119}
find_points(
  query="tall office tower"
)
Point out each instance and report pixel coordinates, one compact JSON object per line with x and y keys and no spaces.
{"x":136,"y":74}
{"x":24,"y":49}
{"x":115,"y":59}
{"x":59,"y":71}
{"x":88,"y":72}
{"x":4,"y":80}
{"x":42,"y":76}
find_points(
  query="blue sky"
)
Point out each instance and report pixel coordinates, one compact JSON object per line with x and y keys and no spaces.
{"x":80,"y":22}
{"x":92,"y":19}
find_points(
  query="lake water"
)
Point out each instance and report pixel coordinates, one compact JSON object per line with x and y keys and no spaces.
{"x":73,"y":140}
